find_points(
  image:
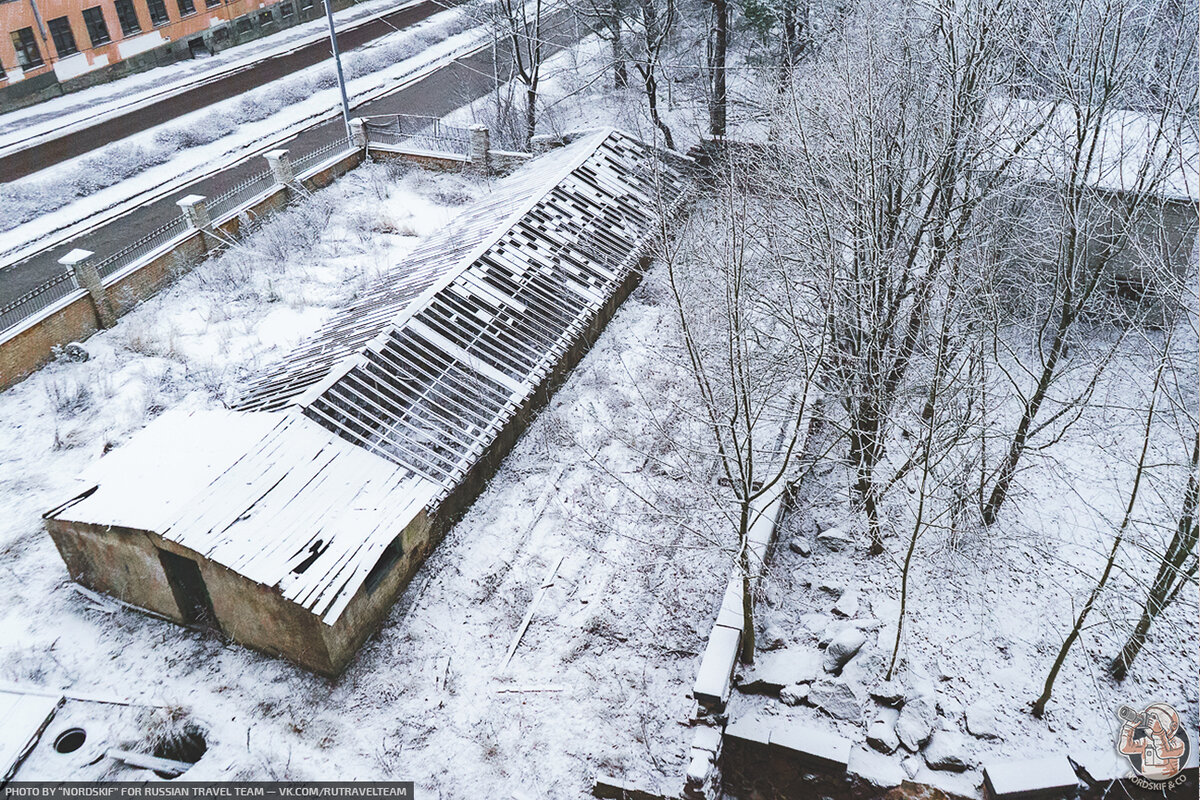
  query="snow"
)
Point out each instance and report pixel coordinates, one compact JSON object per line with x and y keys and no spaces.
{"x":55,"y":116}
{"x":84,"y":191}
{"x":988,"y":610}
{"x":612,"y":647}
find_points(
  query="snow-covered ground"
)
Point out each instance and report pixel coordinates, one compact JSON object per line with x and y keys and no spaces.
{"x":121,"y":175}
{"x":988,"y":609}
{"x":57,"y":115}
{"x":599,"y":680}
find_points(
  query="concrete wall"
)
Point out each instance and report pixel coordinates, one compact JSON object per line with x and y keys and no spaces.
{"x":32,"y":346}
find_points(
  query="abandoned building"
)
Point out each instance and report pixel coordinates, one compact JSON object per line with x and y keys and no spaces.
{"x":292,"y":522}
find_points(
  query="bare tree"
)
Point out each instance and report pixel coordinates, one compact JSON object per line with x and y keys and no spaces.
{"x":1039,"y":705}
{"x":732,"y":293}
{"x":609,"y":19}
{"x":1099,"y":173}
{"x":1176,"y":570}
{"x":895,"y":155}
{"x":718,"y":57}
{"x":656,"y":29}
{"x":521,"y":24}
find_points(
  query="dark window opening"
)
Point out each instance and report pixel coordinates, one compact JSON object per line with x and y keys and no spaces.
{"x":64,"y":38}
{"x":244,"y":25}
{"x":186,"y":7}
{"x":212,"y":3}
{"x":158,"y":12}
{"x":314,"y":552}
{"x":305,"y":5}
{"x":28,"y":55}
{"x":187,"y":585}
{"x":97,"y":28}
{"x":265,"y":18}
{"x":286,"y":10}
{"x":384,"y":565}
{"x":127,"y":16}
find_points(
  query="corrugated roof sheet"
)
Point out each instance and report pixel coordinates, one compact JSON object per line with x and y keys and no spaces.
{"x":430,"y":367}
{"x":329,"y":457}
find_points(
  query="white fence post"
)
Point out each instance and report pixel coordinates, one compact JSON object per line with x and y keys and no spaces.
{"x":481,"y":148}
{"x":79,"y":262}
{"x":358,"y":132}
{"x":281,"y":167}
{"x":195,"y":211}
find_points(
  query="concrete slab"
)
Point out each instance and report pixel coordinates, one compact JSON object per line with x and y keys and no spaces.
{"x":822,"y":748}
{"x":716,"y":667}
{"x":1037,"y":777}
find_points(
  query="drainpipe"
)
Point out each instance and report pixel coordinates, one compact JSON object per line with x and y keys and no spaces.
{"x":47,"y":59}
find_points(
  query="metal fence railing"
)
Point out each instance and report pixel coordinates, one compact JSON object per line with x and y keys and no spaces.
{"x":65,"y":283}
{"x":37,"y":299}
{"x":427,"y":134}
{"x":307,"y":161}
{"x":131,"y":253}
{"x":225,"y":202}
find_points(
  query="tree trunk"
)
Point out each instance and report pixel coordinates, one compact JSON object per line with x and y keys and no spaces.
{"x":718,"y":50}
{"x":748,"y":643}
{"x":1016,"y":449}
{"x":620,"y":69}
{"x":1039,"y":705}
{"x":530,"y":115}
{"x":1171,"y":575}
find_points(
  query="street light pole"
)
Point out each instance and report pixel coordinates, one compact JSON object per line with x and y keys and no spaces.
{"x":337,"y":60}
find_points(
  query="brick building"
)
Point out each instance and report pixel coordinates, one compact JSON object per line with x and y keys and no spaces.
{"x":50,"y":47}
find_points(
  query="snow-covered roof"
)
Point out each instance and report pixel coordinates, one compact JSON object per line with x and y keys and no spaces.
{"x":272,"y":496}
{"x":329,"y":457}
{"x":1134,"y":151}
{"x":427,"y":368}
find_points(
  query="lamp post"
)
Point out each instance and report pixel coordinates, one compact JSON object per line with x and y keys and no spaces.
{"x":337,"y":60}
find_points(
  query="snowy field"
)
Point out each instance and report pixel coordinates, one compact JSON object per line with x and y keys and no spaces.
{"x":597,"y":683}
{"x":121,"y":174}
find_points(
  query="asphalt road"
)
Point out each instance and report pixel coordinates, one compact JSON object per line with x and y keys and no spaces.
{"x":447,"y":88}
{"x":39,"y":156}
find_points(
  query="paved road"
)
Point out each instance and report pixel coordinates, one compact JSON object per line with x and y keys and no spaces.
{"x":31,"y":159}
{"x":449,"y":87}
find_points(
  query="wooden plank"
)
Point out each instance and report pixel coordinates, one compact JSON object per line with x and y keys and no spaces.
{"x":547,"y":582}
{"x":166,"y":766}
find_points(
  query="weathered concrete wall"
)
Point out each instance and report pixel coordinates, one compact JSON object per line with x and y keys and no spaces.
{"x":370,"y":608}
{"x":125,"y":564}
{"x":120,"y":562}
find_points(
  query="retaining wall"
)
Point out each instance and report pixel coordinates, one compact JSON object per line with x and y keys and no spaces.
{"x":74,"y":318}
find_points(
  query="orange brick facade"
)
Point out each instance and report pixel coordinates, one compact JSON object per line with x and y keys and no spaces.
{"x":49,"y":47}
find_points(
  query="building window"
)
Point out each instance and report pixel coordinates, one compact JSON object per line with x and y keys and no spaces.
{"x":127,"y":16}
{"x":265,"y":18}
{"x":64,"y":39}
{"x":93,"y":20}
{"x":286,"y":9}
{"x":211,"y":3}
{"x":28,"y":55}
{"x":158,"y":12}
{"x":244,"y":25}
{"x":186,"y":7}
{"x":305,"y":5}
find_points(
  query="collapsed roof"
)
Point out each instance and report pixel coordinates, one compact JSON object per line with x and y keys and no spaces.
{"x":305,"y":482}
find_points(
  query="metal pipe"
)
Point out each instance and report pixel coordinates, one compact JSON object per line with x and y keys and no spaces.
{"x":337,"y":60}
